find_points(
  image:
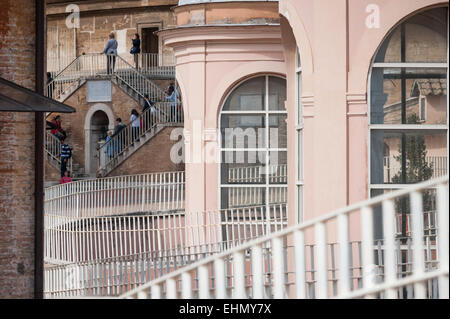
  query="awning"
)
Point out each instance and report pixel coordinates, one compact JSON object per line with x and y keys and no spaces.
{"x":15,"y":98}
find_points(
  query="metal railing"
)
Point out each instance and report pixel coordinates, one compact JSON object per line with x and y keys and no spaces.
{"x":274,"y":266}
{"x":92,"y":65}
{"x":159,"y":65}
{"x":53,"y":150}
{"x":116,"y":195}
{"x":147,"y":122}
{"x":115,"y":254}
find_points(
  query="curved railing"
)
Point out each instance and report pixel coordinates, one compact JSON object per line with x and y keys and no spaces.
{"x":111,"y":255}
{"x":274,"y":266}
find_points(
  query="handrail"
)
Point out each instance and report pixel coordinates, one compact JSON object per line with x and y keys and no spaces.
{"x":166,"y":286}
{"x":95,"y":64}
{"x":161,"y":113}
{"x":116,"y":195}
{"x":137,"y":81}
{"x":152,"y":244}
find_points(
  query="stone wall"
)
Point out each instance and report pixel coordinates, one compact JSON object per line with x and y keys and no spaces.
{"x":17,"y":64}
{"x":97,"y":22}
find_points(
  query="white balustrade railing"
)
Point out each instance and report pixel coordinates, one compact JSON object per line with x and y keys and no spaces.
{"x":393,"y":167}
{"x":111,"y":255}
{"x":163,"y":113}
{"x":92,"y":65}
{"x":160,"y":65}
{"x":274,"y":266}
{"x":53,"y":150}
{"x":116,"y":195}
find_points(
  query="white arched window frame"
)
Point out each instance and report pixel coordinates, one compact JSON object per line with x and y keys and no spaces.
{"x":381,"y":170}
{"x":299,"y":181}
{"x":251,"y":194}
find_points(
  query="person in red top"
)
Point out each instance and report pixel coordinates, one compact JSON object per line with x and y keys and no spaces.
{"x":66,"y":178}
{"x":58,"y":131}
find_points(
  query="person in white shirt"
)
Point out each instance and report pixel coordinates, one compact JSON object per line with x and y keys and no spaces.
{"x":135,"y":125}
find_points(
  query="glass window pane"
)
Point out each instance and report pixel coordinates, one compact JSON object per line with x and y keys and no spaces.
{"x":410,"y":157}
{"x":278,"y":167}
{"x":403,"y":214}
{"x":249,"y":96}
{"x":277,"y":93}
{"x":233,"y":197}
{"x":396,"y":96}
{"x":277,"y":195}
{"x":423,"y":38}
{"x":278,"y":131}
{"x":243,"y":167}
{"x":240,"y":131}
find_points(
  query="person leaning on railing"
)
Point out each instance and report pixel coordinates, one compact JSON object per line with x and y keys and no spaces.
{"x":111,"y":53}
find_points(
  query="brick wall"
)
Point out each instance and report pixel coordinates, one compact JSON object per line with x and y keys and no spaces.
{"x":17,"y":64}
{"x":153,"y":157}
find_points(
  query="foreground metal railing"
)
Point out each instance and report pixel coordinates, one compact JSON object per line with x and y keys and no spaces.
{"x":164,"y":113}
{"x":274,"y":266}
{"x":115,"y":254}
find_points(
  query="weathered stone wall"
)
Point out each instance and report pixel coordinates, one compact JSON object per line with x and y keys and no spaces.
{"x":17,"y":64}
{"x":97,"y":22}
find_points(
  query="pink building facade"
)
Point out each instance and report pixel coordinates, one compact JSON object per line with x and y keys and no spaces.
{"x":357,"y":90}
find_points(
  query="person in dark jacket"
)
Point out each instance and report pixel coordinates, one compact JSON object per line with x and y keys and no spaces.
{"x":136,"y":49}
{"x":111,"y":53}
{"x":66,"y":153}
{"x":120,"y":140}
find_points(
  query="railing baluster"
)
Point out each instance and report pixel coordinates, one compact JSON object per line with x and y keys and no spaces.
{"x":238,"y":275}
{"x":390,"y":267}
{"x":417,"y":235}
{"x":443,"y":235}
{"x":322,"y":262}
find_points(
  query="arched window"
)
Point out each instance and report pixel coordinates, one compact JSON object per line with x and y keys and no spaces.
{"x":409,"y":107}
{"x":253,"y":169}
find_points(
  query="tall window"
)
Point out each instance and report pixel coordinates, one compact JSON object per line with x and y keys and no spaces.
{"x":299,"y":138}
{"x":253,"y":169}
{"x":409,"y":108}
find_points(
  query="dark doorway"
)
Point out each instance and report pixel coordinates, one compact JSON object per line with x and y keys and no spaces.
{"x":150,"y":40}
